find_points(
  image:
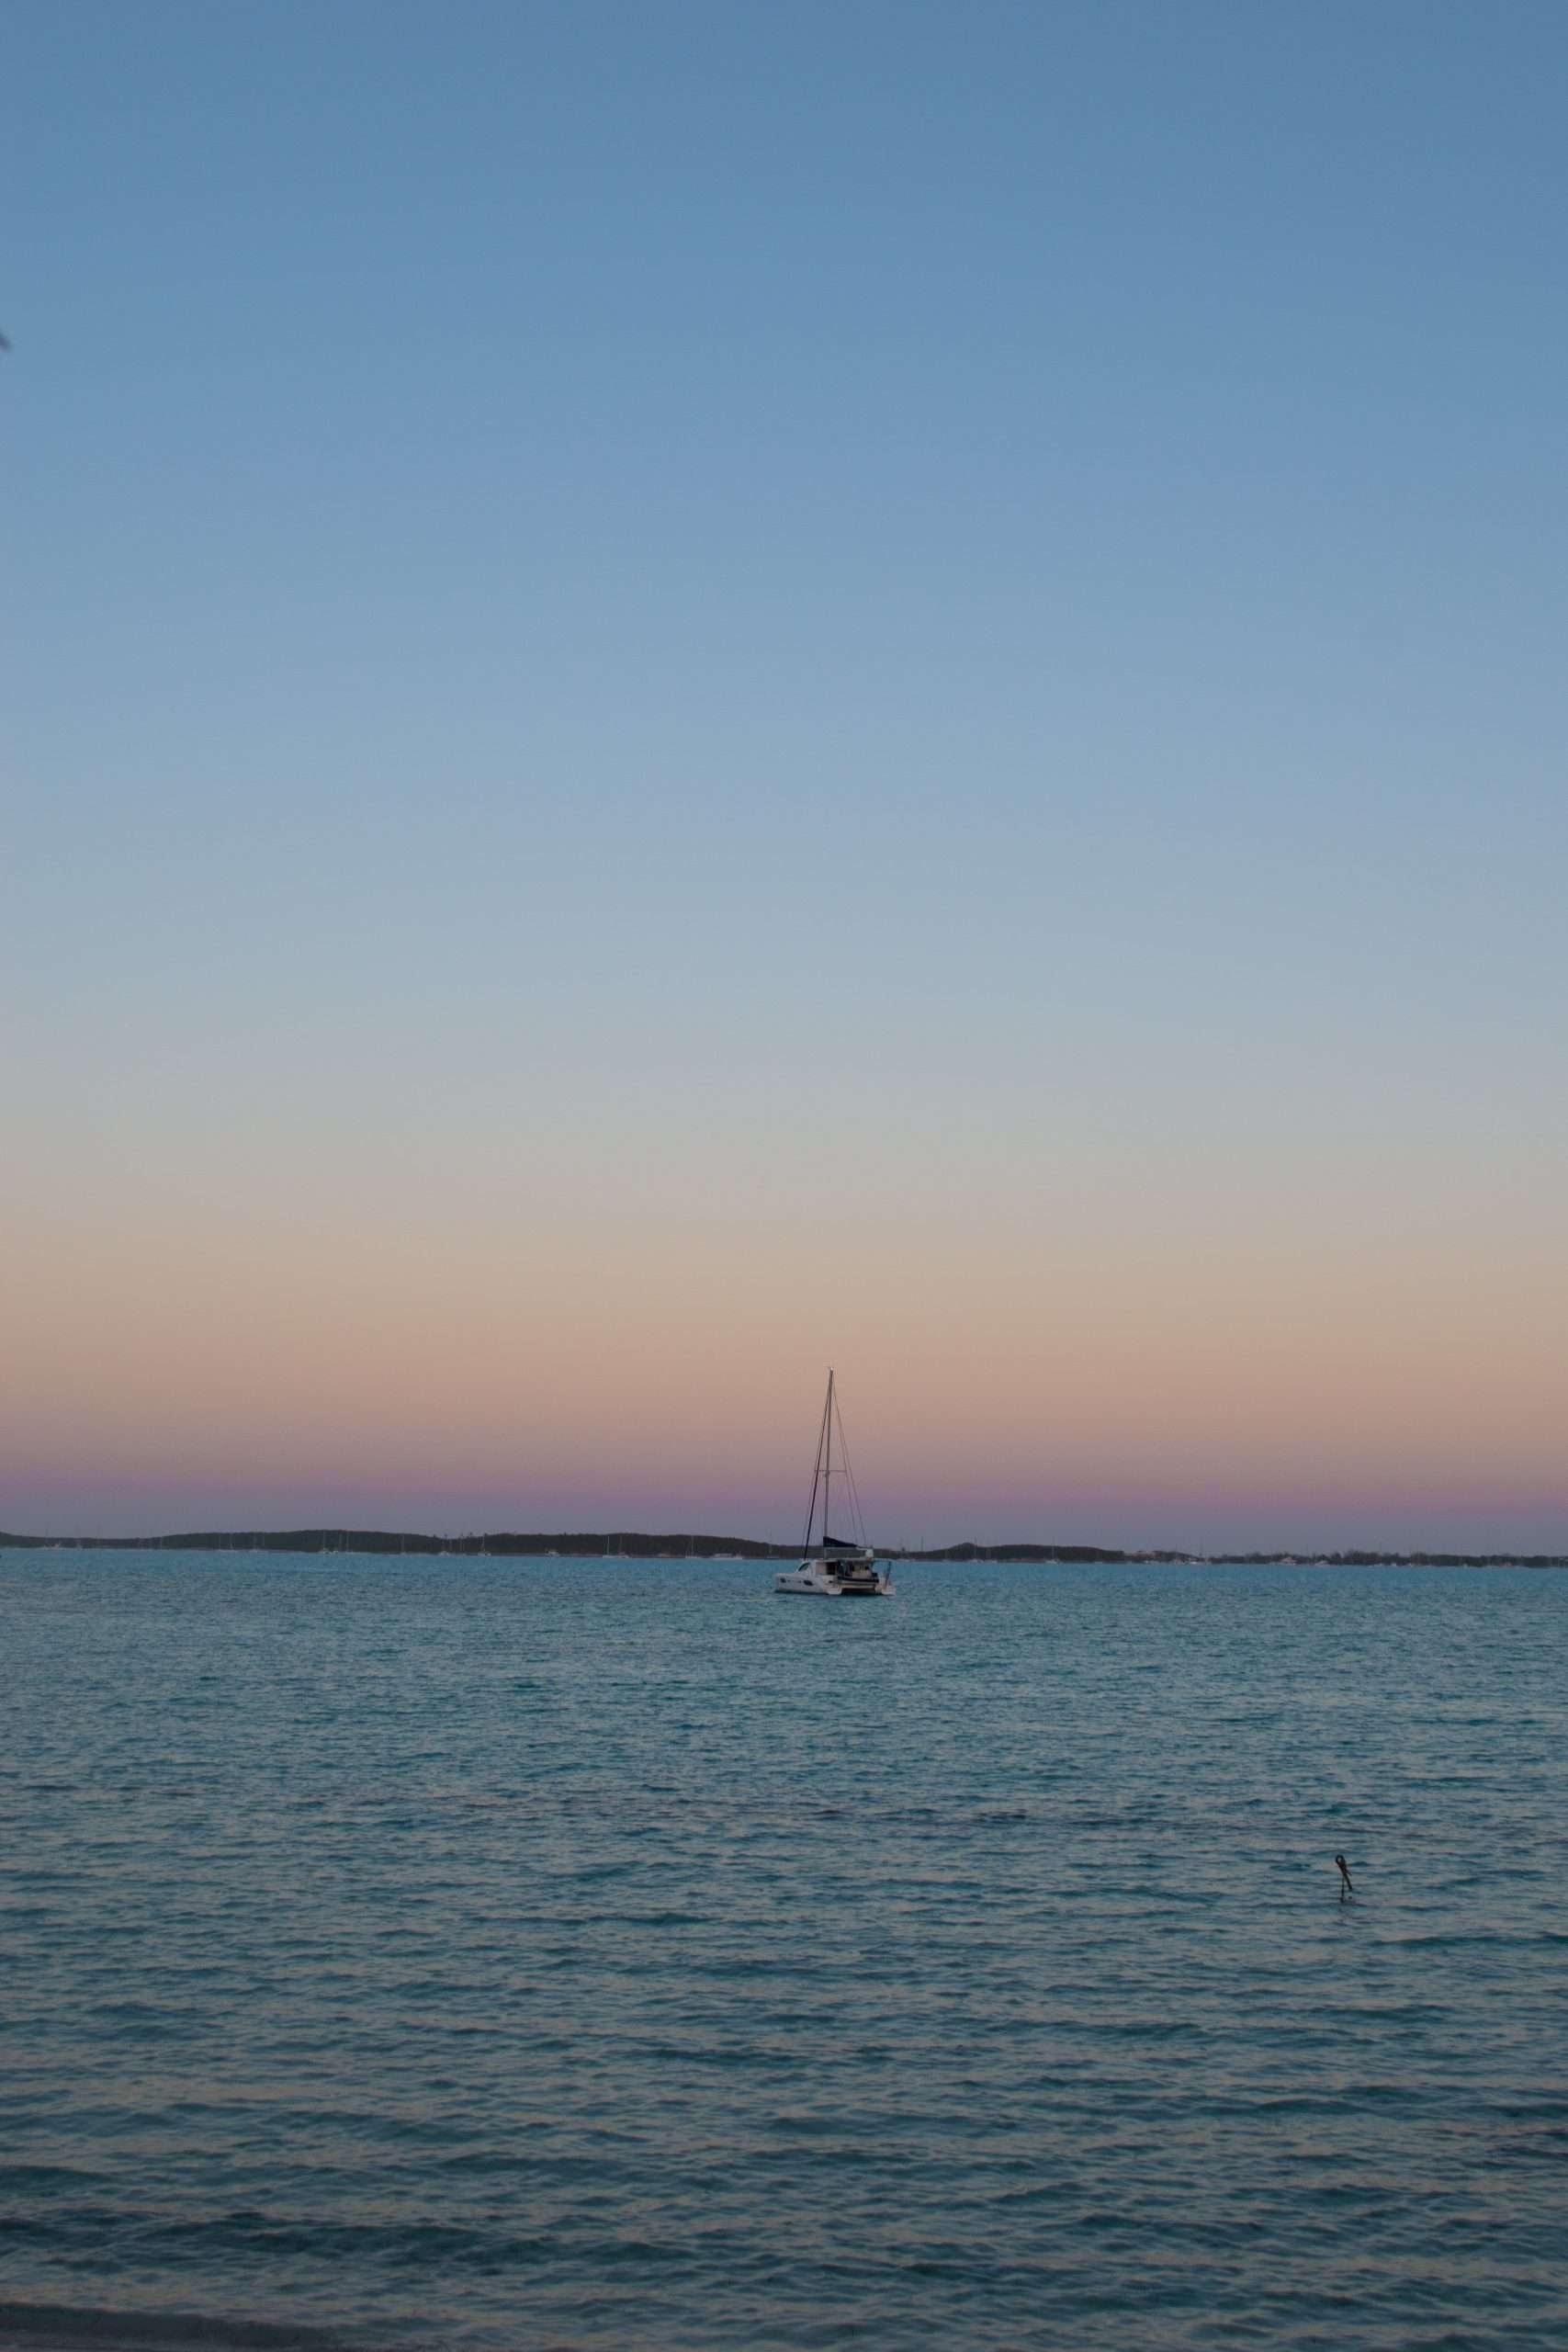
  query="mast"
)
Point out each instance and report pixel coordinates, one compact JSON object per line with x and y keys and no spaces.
{"x":828,"y":1461}
{"x":824,"y":1454}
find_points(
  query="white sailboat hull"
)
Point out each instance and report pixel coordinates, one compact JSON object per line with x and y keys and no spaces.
{"x":822,"y":1580}
{"x":808,"y":1582}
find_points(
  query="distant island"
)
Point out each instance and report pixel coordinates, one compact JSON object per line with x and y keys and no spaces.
{"x":631,"y":1546}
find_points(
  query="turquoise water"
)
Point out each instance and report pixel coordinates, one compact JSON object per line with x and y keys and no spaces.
{"x":550,"y":1953}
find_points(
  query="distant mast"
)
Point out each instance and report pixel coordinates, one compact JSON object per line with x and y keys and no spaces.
{"x":822,"y":1476}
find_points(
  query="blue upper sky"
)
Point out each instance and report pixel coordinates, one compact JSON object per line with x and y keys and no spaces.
{"x":646,"y":576}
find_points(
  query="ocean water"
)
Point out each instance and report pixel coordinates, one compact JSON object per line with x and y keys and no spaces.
{"x":526,"y":1954}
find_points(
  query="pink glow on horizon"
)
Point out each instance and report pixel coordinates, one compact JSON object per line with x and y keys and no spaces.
{"x":1200,"y":1384}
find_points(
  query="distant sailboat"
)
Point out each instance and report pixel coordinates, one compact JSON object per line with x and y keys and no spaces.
{"x":833,"y":1568}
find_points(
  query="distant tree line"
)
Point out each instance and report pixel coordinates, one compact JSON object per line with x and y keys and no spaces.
{"x":633,"y":1545}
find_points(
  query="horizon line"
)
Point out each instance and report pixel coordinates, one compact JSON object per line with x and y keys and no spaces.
{"x":636,"y":1544}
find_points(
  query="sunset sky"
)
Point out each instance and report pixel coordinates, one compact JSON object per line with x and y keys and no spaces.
{"x":694,"y":690}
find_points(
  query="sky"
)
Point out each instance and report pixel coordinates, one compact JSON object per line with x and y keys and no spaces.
{"x":694,"y":692}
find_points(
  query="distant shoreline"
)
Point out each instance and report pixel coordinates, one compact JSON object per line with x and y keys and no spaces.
{"x":632,"y":1546}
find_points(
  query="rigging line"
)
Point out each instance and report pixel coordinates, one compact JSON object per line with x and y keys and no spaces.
{"x":854,"y":1502}
{"x":817,"y":1473}
{"x":850,"y":1476}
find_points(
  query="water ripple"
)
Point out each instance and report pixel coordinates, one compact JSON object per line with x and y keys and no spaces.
{"x":527,"y":1955}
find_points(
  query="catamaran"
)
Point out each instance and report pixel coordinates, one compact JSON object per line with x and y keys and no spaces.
{"x":834,"y":1568}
